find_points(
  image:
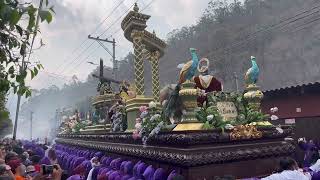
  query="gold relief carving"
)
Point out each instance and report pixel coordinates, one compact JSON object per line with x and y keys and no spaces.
{"x":135,"y":34}
{"x":190,"y":104}
{"x":245,"y":132}
{"x":191,"y":92}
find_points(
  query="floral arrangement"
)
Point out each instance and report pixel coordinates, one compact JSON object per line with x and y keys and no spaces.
{"x":209,"y":115}
{"x":149,"y":123}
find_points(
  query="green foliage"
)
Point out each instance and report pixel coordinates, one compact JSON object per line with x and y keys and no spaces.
{"x":16,"y":35}
{"x":5,"y":122}
{"x":78,"y":126}
{"x":255,"y":116}
{"x":209,"y":115}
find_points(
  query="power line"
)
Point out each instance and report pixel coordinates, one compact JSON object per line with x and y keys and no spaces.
{"x":94,"y":31}
{"x":105,"y":32}
{"x":118,"y":19}
{"x":80,"y":62}
{"x":75,"y":59}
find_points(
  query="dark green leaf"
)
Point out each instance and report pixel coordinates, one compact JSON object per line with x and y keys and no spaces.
{"x":52,"y":9}
{"x":45,"y":15}
{"x":35,"y":70}
{"x":20,"y":79}
{"x":32,"y":17}
{"x":11,"y":70}
{"x":28,"y":93}
{"x":24,"y":74}
{"x":4,"y":114}
{"x":32,"y":74}
{"x":23,"y":49}
{"x":15,"y":88}
{"x":15,"y":17}
{"x":22,"y":90}
{"x":19,"y":29}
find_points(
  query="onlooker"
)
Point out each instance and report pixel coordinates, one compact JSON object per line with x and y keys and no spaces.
{"x":289,"y":170}
{"x":35,"y":159}
{"x":52,"y":156}
{"x":16,"y":169}
{"x":311,"y":151}
{"x":5,"y":172}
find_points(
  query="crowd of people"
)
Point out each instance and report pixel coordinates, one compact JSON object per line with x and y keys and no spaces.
{"x":94,"y":165}
{"x":22,"y":160}
{"x":29,"y":160}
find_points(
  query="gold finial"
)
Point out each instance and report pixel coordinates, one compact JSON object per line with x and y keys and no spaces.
{"x":136,"y":8}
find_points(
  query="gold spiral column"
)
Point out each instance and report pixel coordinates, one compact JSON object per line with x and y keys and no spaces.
{"x":138,"y":61}
{"x":154,"y":59}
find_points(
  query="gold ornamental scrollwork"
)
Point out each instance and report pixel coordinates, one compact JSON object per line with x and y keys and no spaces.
{"x":190,"y":104}
{"x":137,"y":34}
{"x":245,"y":132}
{"x":193,"y":92}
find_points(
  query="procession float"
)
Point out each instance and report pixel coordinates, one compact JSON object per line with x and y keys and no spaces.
{"x":195,"y":130}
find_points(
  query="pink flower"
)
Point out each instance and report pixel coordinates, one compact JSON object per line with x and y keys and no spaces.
{"x":143,"y":108}
{"x":138,"y":120}
{"x":135,"y":134}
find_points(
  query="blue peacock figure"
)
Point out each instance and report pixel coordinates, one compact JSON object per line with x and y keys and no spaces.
{"x":189,"y":69}
{"x":173,"y":108}
{"x":252,"y":74}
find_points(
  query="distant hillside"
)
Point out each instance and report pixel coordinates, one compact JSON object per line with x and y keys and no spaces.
{"x":287,"y":54}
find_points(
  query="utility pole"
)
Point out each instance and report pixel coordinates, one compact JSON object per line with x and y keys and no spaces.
{"x":31,"y":116}
{"x":236,"y":81}
{"x":23,"y":67}
{"x":112,"y":54}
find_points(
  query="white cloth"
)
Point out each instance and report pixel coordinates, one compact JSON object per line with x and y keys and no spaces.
{"x":288,"y":175}
{"x":93,"y":165}
{"x":316,"y":167}
{"x":90,"y":174}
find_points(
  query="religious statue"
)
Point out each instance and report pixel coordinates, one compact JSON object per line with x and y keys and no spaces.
{"x":205,"y":81}
{"x":126,"y":91}
{"x":117,"y":116}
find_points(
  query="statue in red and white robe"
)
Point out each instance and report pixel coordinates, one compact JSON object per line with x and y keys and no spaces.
{"x":205,"y":81}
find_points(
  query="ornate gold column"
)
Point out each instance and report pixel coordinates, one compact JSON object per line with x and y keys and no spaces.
{"x":154,"y":60}
{"x":138,"y":61}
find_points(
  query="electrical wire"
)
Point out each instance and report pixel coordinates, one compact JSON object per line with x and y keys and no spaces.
{"x":94,"y":31}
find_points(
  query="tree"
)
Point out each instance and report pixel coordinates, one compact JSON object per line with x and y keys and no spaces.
{"x":18,"y":28}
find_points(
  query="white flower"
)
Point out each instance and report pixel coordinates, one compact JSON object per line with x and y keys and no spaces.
{"x":154,"y":117}
{"x":143,"y":114}
{"x":210,"y":117}
{"x":138,"y":126}
{"x":274,"y":117}
{"x":274,"y":109}
{"x":184,"y":112}
{"x":152,"y":104}
{"x":229,"y":126}
{"x":161,"y":124}
{"x":280,"y":130}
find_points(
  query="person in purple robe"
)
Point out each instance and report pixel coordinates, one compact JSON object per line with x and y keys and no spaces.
{"x":148,"y":173}
{"x":160,"y":174}
{"x":311,"y":151}
{"x":174,"y":175}
{"x":45,"y":160}
{"x":140,"y":170}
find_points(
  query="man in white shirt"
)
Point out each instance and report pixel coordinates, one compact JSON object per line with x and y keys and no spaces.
{"x":289,"y":171}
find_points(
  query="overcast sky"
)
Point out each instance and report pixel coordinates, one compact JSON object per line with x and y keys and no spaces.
{"x":63,"y":57}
